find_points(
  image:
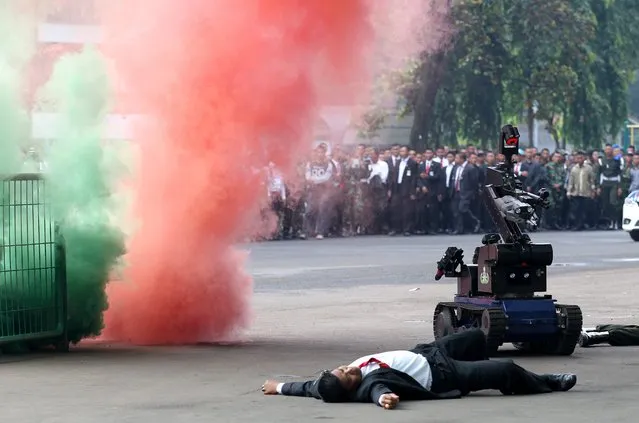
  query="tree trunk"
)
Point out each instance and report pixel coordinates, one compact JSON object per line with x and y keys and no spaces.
{"x":530,"y":116}
{"x":431,"y":76}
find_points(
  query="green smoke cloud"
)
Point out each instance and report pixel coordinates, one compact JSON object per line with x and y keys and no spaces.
{"x":16,"y":49}
{"x":79,"y":180}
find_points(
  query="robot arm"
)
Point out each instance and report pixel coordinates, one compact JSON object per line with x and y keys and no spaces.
{"x":451,"y":264}
{"x":508,"y":203}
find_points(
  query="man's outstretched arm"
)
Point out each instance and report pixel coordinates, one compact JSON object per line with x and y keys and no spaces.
{"x":296,"y":389}
{"x":383,"y":396}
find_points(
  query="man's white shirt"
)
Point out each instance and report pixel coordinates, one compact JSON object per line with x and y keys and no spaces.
{"x":443,"y":162}
{"x":402,"y":166}
{"x":449,"y":170}
{"x":379,"y":168}
{"x":414,"y":365}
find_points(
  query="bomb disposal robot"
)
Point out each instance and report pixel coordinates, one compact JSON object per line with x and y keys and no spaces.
{"x":498,"y":291}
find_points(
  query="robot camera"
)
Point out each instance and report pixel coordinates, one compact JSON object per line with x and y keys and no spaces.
{"x":515,"y":210}
{"x":509,"y":143}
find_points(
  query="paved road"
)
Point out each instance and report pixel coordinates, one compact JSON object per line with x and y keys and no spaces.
{"x":359,"y":303}
{"x":340,"y":263}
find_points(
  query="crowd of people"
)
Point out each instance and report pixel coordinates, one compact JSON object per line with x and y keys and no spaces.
{"x":401,"y":191}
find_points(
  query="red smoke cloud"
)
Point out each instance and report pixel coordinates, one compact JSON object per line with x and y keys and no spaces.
{"x":228,"y":85}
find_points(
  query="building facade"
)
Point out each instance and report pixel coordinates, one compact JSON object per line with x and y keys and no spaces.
{"x":74,"y":24}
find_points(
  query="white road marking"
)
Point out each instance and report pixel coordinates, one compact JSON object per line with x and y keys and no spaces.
{"x":621,"y":260}
{"x":298,"y":270}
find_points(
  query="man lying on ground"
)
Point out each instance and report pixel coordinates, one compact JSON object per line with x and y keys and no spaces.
{"x":451,"y":367}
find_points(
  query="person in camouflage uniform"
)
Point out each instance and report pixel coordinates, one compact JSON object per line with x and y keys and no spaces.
{"x":356,"y":172}
{"x":276,"y":191}
{"x":295,"y":211}
{"x":556,"y":174}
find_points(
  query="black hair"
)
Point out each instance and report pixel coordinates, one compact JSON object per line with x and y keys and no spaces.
{"x":330,"y":389}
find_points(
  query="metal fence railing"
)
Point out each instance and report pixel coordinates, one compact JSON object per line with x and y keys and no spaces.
{"x":33,"y":291}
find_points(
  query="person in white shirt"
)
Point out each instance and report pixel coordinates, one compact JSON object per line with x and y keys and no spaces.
{"x":451,"y":367}
{"x":377,"y":167}
{"x":376,"y":193}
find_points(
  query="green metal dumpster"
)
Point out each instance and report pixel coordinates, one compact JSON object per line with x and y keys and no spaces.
{"x":33,"y":291}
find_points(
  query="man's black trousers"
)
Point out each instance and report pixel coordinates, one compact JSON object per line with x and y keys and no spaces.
{"x":459,"y":361}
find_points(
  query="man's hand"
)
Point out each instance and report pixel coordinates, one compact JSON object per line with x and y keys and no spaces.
{"x":270,"y":387}
{"x":389,"y":401}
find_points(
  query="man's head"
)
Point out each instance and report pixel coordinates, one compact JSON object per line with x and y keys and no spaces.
{"x":441,"y":153}
{"x":608,"y":150}
{"x":339,"y":384}
{"x":428,"y":154}
{"x":481,"y":158}
{"x":635,"y":160}
{"x":556,"y":157}
{"x":616,"y":151}
{"x":460,"y":158}
{"x":395,"y":149}
{"x":373,"y":153}
{"x":580,"y":157}
{"x":472,"y":158}
{"x":403,"y":152}
{"x":530,"y":154}
{"x":490,"y":158}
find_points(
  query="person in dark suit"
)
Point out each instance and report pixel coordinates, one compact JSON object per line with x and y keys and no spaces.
{"x":393,"y":167}
{"x":465,"y":185}
{"x":451,"y":367}
{"x":447,"y":217}
{"x":431,"y":177}
{"x":402,"y":184}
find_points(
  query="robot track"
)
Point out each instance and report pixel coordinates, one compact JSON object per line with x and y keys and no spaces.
{"x":454,"y":317}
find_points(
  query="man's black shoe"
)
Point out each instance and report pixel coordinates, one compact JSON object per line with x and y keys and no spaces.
{"x":590,"y":338}
{"x":561,"y":382}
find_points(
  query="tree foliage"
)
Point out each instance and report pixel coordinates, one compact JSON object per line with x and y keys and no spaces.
{"x":567,"y":63}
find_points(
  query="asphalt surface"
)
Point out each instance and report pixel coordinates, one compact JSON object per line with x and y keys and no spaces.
{"x":320,"y":303}
{"x":381,"y":260}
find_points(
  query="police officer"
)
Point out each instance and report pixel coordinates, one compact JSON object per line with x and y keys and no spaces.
{"x":610,"y":186}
